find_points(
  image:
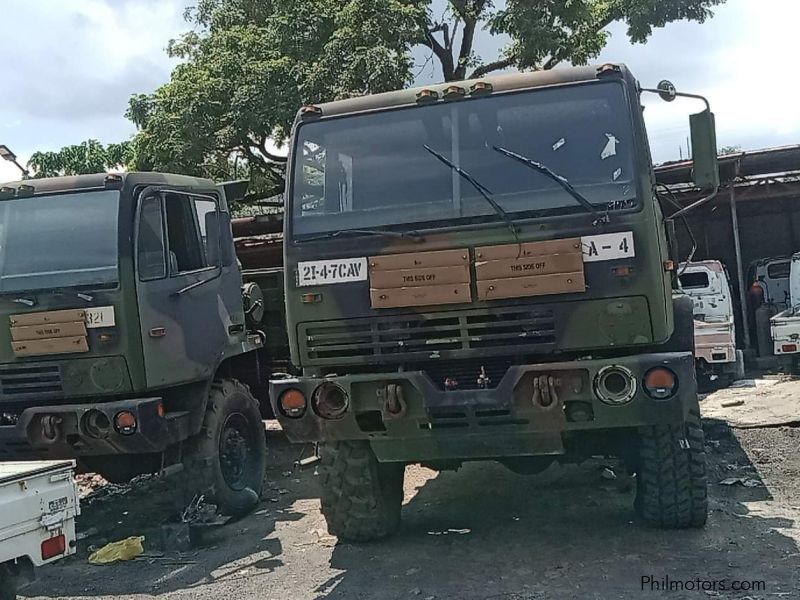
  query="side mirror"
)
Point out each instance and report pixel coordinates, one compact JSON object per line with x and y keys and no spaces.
{"x":666,"y":90}
{"x":705,"y":173}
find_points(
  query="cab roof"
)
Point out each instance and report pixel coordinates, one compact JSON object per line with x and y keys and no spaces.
{"x":50,"y":185}
{"x":499,"y":83}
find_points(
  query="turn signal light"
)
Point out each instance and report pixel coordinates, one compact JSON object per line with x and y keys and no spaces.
{"x":125,"y":422}
{"x":660,"y":383}
{"x":54,"y":547}
{"x":293,"y":403}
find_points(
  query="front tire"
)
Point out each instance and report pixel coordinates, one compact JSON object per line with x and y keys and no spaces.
{"x":228,"y":457}
{"x":361,"y":497}
{"x":671,"y":480}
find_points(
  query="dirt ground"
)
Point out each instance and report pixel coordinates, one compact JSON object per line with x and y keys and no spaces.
{"x":479,"y":533}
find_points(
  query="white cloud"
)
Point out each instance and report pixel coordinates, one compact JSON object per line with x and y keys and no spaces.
{"x":68,"y":68}
{"x":739,"y":60}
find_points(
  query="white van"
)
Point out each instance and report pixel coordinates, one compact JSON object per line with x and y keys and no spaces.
{"x":716,"y":356}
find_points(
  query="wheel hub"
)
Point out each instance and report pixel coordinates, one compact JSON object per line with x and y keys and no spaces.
{"x":235,"y":452}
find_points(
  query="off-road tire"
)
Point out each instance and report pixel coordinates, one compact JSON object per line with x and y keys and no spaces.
{"x":232,"y":414}
{"x":8,"y":584}
{"x":671,"y":479}
{"x":361,"y":498}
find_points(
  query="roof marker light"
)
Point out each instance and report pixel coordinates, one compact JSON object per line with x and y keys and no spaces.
{"x":427,"y":95}
{"x":310,"y":111}
{"x":454,"y":92}
{"x":480,"y":88}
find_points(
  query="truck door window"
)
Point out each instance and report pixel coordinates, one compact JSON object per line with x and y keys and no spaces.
{"x":150,"y":249}
{"x":205,"y":212}
{"x":186,"y":247}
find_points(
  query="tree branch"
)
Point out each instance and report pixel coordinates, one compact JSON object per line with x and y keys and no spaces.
{"x":470,"y":17}
{"x":445,"y":57}
{"x":261,"y":145}
{"x":497,"y":65}
{"x":557,"y":56}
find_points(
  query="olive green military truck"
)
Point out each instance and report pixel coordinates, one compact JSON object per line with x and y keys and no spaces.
{"x":125,"y":337}
{"x":483,"y":271}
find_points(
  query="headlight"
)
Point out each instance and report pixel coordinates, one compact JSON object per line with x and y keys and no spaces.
{"x":615,"y":385}
{"x":330,"y":401}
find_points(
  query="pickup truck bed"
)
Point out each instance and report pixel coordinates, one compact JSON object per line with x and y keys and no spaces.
{"x":785,"y":330}
{"x":38,"y":506}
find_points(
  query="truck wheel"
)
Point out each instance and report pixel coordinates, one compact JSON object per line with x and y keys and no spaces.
{"x":361,"y":498}
{"x":228,"y":457}
{"x":671,"y":480}
{"x":8,"y":584}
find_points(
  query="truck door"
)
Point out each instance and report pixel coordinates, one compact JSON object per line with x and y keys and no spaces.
{"x":183,"y":326}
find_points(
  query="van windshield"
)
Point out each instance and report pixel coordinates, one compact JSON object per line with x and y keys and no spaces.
{"x":373,"y":170}
{"x":59,"y":240}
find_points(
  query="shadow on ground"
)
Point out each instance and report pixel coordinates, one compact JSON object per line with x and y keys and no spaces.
{"x":484,"y":532}
{"x":568,"y":533}
{"x":240,"y":549}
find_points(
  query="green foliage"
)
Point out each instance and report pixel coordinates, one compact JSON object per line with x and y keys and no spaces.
{"x":729,"y":150}
{"x":248,"y":65}
{"x":80,"y":159}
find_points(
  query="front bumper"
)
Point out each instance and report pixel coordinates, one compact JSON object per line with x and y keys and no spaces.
{"x":487,"y":423}
{"x":62,"y":431}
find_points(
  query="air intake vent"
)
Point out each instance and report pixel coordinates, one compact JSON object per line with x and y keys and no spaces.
{"x":28,"y":382}
{"x":419,"y":337}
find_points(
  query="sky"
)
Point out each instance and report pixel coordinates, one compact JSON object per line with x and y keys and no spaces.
{"x":68,"y":67}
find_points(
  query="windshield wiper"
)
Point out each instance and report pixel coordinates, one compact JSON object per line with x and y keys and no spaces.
{"x":561,"y":181}
{"x":414,"y":236}
{"x":482,"y":190}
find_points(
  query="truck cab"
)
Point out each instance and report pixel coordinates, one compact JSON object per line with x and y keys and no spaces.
{"x":480,"y":271}
{"x":785,"y":326}
{"x":123,"y":335}
{"x":707,"y":284}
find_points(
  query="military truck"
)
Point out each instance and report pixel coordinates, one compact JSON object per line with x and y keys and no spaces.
{"x":483,"y":271}
{"x":126,"y":341}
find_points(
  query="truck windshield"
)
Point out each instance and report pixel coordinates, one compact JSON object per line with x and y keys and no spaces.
{"x":59,"y":240}
{"x":373,"y":170}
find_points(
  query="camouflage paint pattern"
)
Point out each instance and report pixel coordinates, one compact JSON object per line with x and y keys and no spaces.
{"x":618,"y":319}
{"x":202,"y":327}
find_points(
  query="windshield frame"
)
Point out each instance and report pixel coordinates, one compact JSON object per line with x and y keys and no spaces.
{"x":572,"y":211}
{"x":118,"y":237}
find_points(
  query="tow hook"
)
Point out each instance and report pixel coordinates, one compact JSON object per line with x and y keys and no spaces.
{"x":545,"y":391}
{"x":51,"y":428}
{"x":394,"y":406}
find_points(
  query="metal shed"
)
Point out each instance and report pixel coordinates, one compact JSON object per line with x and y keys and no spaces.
{"x":756,"y":214}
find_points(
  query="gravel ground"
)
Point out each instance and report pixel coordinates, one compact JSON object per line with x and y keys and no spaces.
{"x":482,"y":532}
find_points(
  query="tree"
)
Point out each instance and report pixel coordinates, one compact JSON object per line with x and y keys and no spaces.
{"x":729,"y":150}
{"x":79,"y":159}
{"x":247,"y":65}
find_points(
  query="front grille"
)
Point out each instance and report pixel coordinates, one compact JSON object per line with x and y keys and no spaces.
{"x":466,"y":372}
{"x":415,"y":337}
{"x":29,"y":382}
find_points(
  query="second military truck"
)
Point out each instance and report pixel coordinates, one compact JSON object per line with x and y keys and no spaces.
{"x":481,"y":271}
{"x":126,"y":341}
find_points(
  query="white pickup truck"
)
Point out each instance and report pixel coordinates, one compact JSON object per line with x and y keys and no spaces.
{"x":785,"y":326}
{"x":717,"y":358}
{"x":38,"y":506}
